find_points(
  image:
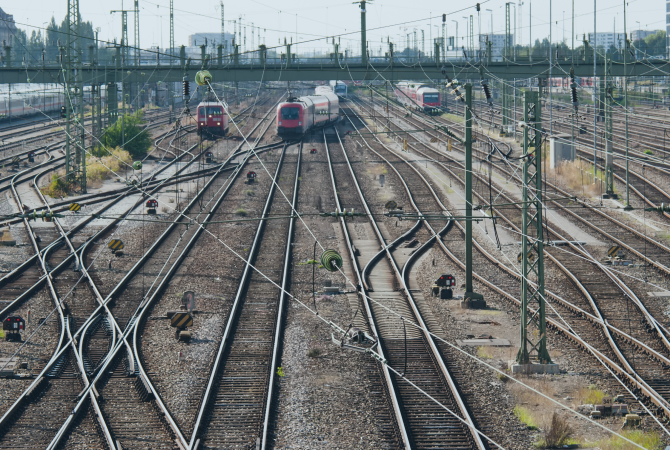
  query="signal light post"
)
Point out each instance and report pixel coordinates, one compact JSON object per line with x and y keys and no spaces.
{"x":470,"y":298}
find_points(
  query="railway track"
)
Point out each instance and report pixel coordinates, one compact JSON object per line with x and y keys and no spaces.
{"x":235,"y":409}
{"x":419,"y":418}
{"x":620,"y":343}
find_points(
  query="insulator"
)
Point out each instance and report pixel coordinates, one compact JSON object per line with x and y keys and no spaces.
{"x":186,"y":88}
{"x":573,"y":92}
{"x":487,"y":93}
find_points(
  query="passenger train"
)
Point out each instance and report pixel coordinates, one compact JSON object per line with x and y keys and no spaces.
{"x":339,"y":88}
{"x":212,"y":119}
{"x":418,"y":96}
{"x":297,"y":116}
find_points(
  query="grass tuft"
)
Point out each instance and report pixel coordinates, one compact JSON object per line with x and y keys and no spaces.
{"x":525,"y":416}
{"x":241,"y":212}
{"x":314,"y":352}
{"x":649,"y":440}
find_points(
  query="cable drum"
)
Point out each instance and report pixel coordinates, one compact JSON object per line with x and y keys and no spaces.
{"x":203,"y":77}
{"x":331,"y":260}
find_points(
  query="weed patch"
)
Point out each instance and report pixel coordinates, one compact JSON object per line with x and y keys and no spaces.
{"x":525,"y":416}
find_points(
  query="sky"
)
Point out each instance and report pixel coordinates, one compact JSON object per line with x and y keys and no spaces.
{"x":305,"y":20}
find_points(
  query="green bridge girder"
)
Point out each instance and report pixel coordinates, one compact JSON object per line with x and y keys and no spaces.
{"x":311,"y":72}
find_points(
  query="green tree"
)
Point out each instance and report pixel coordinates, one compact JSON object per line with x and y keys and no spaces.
{"x":652,"y":45}
{"x":137,"y":138}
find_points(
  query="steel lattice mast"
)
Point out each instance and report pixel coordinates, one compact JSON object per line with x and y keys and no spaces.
{"x":533,"y":341}
{"x":75,"y":157}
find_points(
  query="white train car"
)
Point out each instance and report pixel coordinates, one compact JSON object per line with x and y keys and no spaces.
{"x":339,"y":88}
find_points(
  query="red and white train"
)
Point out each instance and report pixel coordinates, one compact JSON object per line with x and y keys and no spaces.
{"x":418,"y":96}
{"x":212,"y":119}
{"x":580,"y":81}
{"x":297,"y":116}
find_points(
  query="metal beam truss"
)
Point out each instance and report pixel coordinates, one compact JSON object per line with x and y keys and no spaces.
{"x":533,"y":326}
{"x":75,"y":156}
{"x":324,"y":69}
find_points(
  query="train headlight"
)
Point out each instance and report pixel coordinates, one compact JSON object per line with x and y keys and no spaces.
{"x":218,"y":123}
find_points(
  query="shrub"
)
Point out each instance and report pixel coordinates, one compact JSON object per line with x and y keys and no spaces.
{"x":557,"y":433}
{"x":502,"y":377}
{"x":250,"y":192}
{"x":648,"y":152}
{"x":137,"y":138}
{"x":241,"y":212}
{"x":314,"y":352}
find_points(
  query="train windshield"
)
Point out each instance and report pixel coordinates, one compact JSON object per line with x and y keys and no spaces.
{"x":201,"y":111}
{"x":431,"y":98}
{"x":214,"y":111}
{"x":341,"y":88}
{"x":290,"y":113}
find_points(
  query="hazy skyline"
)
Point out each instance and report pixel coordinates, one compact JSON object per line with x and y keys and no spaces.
{"x":317,"y":20}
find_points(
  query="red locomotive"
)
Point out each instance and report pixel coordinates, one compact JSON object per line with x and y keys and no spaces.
{"x":418,"y":96}
{"x":212,"y":119}
{"x":297,"y":116}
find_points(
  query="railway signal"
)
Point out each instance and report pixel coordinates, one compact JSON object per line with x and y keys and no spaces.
{"x":188,"y":300}
{"x":251,"y":176}
{"x":12,"y":326}
{"x":31,"y":157}
{"x":208,"y":157}
{"x":152,"y":204}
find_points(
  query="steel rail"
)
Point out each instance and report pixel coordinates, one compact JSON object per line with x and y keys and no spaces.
{"x":279,"y":329}
{"x":132,"y":323}
{"x":632,"y":375}
{"x":232,"y":315}
{"x":412,"y":302}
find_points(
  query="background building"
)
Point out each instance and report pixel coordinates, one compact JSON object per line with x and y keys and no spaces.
{"x":7,"y":27}
{"x":197,"y":39}
{"x":498,"y":44}
{"x":607,"y":40}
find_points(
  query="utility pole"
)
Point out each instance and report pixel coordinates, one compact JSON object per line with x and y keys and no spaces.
{"x":626,"y":55}
{"x":609,"y":145}
{"x":364,"y":50}
{"x":595,"y":97}
{"x":223,"y":31}
{"x":137,"y":99}
{"x":471,"y":299}
{"x":171,"y":84}
{"x":533,"y":342}
{"x":444,"y":37}
{"x":530,"y":31}
{"x":472,"y":37}
{"x":75,"y":156}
